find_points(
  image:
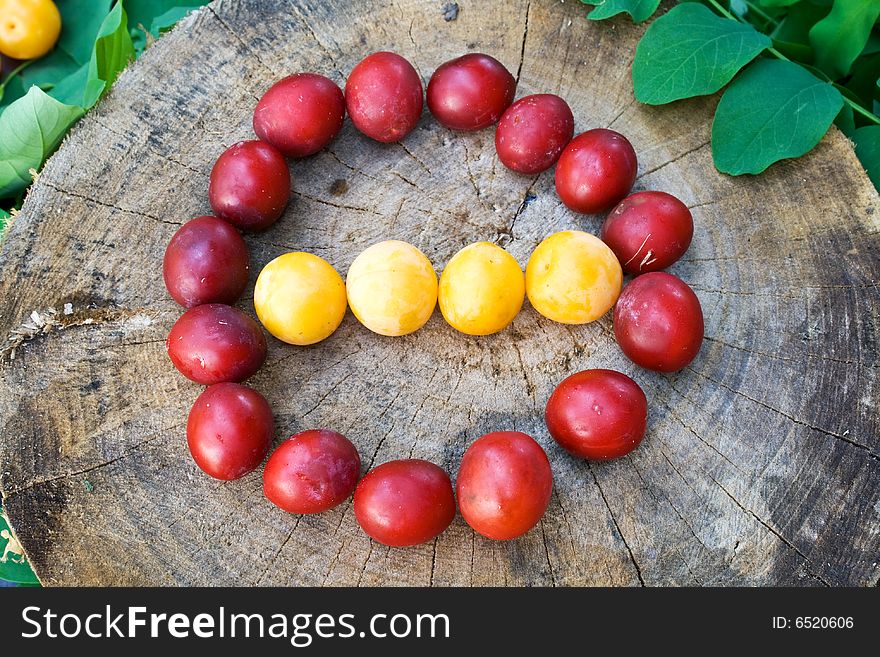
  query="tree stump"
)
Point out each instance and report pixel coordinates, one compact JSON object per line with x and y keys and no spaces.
{"x":762,"y":460}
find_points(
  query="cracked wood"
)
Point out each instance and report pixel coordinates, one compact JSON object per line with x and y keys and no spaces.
{"x":760,"y":465}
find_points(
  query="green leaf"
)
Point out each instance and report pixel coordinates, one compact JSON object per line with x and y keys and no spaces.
{"x":145,"y":12}
{"x":872,"y":47}
{"x":691,"y":52}
{"x":839,"y":37}
{"x":846,"y":120}
{"x":818,"y":72}
{"x":32,"y":127}
{"x":795,"y":26}
{"x":791,"y":35}
{"x":639,"y":10}
{"x":169,"y":19}
{"x":71,"y":89}
{"x":4,"y":220}
{"x":863,"y":81}
{"x":11,"y":90}
{"x":793,"y":50}
{"x":777,"y":3}
{"x":111,"y":52}
{"x":774,"y":110}
{"x":867,"y":142}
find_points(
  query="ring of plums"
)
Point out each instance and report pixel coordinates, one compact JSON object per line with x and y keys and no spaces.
{"x":505,"y":481}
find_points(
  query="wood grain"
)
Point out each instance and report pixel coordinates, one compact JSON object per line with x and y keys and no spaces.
{"x":762,"y":463}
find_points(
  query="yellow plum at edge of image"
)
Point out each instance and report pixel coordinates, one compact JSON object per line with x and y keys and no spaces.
{"x":392,"y":288}
{"x":28,"y":28}
{"x":573,"y":277}
{"x":300,"y":298}
{"x":482,"y":289}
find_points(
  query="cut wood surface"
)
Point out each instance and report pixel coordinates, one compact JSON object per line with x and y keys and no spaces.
{"x":762,"y":459}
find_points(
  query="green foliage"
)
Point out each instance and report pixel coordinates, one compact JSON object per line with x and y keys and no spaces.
{"x":41,"y":99}
{"x":4,"y":221}
{"x":639,"y":10}
{"x":867,"y":141}
{"x":818,"y":63}
{"x":32,"y":127}
{"x":862,"y":82}
{"x":169,"y":19}
{"x":113,"y":51}
{"x":155,"y":17}
{"x":791,"y":35}
{"x":80,"y":20}
{"x":11,"y":87}
{"x":691,"y":52}
{"x":842,"y":35}
{"x":753,"y":125}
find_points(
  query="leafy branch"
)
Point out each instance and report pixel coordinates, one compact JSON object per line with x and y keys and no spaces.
{"x":791,"y":68}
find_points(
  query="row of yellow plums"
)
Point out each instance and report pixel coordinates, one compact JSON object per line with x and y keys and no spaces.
{"x":571,"y":277}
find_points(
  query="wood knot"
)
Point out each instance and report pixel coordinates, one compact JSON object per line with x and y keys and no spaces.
{"x":450,"y":11}
{"x":338,"y":187}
